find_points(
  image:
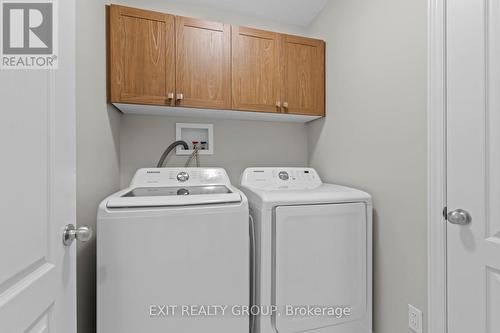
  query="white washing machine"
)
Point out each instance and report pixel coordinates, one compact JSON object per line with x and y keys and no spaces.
{"x":313,"y":254}
{"x":177,"y":239}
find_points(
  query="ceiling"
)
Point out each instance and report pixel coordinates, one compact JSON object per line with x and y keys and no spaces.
{"x":297,"y":12}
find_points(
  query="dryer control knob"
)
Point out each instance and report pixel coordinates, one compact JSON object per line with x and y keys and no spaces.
{"x":283,"y":175}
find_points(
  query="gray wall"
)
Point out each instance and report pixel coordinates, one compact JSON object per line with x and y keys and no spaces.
{"x":374,"y":137}
{"x":238,"y":144}
{"x":97,"y":145}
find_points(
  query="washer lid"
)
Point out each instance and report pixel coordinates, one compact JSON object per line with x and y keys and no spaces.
{"x":176,"y":190}
{"x":164,"y":187}
{"x":174,"y":196}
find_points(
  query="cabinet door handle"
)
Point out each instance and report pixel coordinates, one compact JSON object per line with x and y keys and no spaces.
{"x":285,"y":107}
{"x":278,"y":104}
{"x":170,"y":95}
{"x":180,"y":97}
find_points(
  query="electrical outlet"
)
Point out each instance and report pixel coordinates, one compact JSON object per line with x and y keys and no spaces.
{"x":414,"y":318}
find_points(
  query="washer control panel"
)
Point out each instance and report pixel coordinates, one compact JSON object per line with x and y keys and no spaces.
{"x":281,"y":178}
{"x":182,"y":176}
{"x":176,"y":176}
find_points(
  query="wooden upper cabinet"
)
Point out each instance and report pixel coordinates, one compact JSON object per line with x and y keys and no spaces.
{"x":256,"y":70}
{"x":203,"y":63}
{"x":303,"y":75}
{"x":141,"y":56}
{"x":165,"y":60}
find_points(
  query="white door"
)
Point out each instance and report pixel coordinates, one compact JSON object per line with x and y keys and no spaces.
{"x":37,"y":198}
{"x":473,"y":165}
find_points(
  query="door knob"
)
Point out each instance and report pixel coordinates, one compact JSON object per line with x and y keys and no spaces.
{"x":459,"y":216}
{"x":83,"y":234}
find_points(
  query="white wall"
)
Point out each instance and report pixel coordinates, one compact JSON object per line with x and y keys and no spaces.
{"x":238,"y":144}
{"x":97,"y":145}
{"x":374,"y":137}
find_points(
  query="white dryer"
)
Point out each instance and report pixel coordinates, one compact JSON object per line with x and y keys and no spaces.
{"x":176,"y":238}
{"x":313,"y":253}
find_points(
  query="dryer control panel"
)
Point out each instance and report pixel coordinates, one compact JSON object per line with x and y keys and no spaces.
{"x":281,"y":178}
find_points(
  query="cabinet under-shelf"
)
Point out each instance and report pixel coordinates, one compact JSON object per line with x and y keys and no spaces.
{"x":164,"y":64}
{"x":211,"y":113}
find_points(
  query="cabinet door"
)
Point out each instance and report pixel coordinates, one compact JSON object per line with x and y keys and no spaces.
{"x":203,"y":63}
{"x":303,"y":76}
{"x":256,"y":71}
{"x":141,"y":56}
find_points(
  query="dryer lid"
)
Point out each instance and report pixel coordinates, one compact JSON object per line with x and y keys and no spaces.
{"x":271,"y":187}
